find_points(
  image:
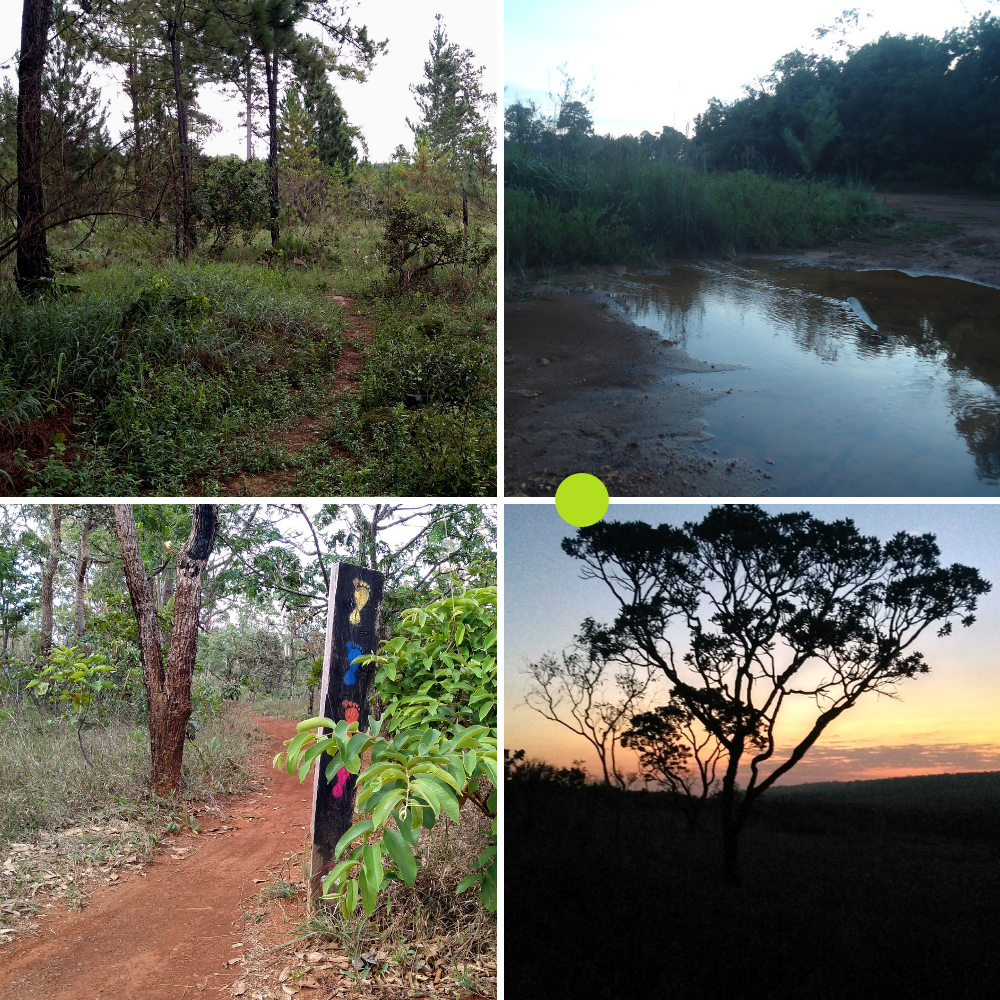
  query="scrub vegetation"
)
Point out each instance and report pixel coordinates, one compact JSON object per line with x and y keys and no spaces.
{"x":173,"y":322}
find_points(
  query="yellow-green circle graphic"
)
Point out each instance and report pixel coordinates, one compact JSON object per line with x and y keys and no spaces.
{"x":582,"y":499}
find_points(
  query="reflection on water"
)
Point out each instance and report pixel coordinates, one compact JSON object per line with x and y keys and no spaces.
{"x":841,"y":410}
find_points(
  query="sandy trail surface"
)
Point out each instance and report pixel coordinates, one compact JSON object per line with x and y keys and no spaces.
{"x":169,"y":935}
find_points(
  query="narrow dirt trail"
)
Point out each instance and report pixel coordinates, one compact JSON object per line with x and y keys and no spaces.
{"x":168,"y":936}
{"x":357,"y":333}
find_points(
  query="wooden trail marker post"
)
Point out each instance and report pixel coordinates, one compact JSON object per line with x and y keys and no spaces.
{"x":352,"y":630}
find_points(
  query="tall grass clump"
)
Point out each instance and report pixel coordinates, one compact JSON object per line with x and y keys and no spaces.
{"x":46,"y":783}
{"x":619,"y":205}
{"x":162,"y":369}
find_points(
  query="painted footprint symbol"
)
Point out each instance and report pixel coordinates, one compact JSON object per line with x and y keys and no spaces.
{"x":351,"y":709}
{"x":362,"y":594}
{"x":353,"y":652}
{"x":338,"y":788}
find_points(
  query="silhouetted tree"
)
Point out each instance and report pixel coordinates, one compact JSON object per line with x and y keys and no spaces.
{"x":678,"y":752}
{"x":775,"y":609}
{"x":572,"y":689}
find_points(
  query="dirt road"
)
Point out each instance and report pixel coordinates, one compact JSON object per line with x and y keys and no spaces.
{"x":169,"y":935}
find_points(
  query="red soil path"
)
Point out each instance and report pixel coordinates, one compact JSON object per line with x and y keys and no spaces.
{"x":168,"y":936}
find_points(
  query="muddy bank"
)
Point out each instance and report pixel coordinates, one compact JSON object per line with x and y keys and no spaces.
{"x":952,"y":235}
{"x":585,"y":390}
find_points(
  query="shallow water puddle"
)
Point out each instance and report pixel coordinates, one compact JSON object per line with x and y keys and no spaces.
{"x":856,"y":383}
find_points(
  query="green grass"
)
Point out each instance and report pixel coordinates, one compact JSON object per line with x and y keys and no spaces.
{"x":165,"y":378}
{"x":45,"y":783}
{"x":171,"y":373}
{"x":621,"y":207}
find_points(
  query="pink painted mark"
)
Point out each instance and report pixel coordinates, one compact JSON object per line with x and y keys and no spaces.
{"x":338,"y":788}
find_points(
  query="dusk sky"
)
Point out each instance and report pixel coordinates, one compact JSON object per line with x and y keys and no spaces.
{"x":656,"y":64}
{"x":945,"y":721}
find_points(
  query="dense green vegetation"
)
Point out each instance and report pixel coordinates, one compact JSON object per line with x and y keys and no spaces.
{"x":574,"y":197}
{"x":918,"y":109}
{"x":790,"y":164}
{"x":615,"y":204}
{"x":184,"y":321}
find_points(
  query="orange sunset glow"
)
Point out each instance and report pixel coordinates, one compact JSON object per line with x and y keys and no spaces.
{"x":945,"y":721}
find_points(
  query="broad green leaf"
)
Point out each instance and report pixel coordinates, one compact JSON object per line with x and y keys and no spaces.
{"x":397,"y":849}
{"x":371,"y":860}
{"x":315,"y":723}
{"x":363,"y":827}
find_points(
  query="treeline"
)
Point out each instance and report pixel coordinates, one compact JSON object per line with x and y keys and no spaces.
{"x":918,"y":109}
{"x":575,"y":197}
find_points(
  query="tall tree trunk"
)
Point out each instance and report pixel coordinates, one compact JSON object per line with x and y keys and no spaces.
{"x":168,"y":687}
{"x":132,"y":73}
{"x":187,"y":233}
{"x":48,"y":575}
{"x":33,"y":268}
{"x":82,"y":561}
{"x":249,"y":107}
{"x":271,"y":71}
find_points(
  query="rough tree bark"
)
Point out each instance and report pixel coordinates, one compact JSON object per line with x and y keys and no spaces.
{"x":33,"y":269}
{"x":48,"y":575}
{"x":168,"y":686}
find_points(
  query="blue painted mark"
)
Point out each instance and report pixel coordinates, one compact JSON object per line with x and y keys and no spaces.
{"x":353,"y":652}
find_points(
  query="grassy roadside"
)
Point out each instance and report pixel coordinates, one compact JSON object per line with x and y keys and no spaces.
{"x":422,"y":937}
{"x":67,"y":827}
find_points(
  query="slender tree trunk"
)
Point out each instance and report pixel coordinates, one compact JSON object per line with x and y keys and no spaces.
{"x":249,"y":108}
{"x":132,"y":73}
{"x":82,"y":561}
{"x":187,"y":233}
{"x":465,"y":216}
{"x":33,"y":268}
{"x":168,"y":687}
{"x":48,"y":575}
{"x":271,"y":71}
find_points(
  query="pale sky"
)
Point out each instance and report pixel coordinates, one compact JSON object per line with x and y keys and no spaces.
{"x":657,"y":62}
{"x":947,"y":720}
{"x":380,"y":106}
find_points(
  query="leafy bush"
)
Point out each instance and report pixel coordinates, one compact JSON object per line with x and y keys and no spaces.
{"x":233,"y":198}
{"x":436,"y":675}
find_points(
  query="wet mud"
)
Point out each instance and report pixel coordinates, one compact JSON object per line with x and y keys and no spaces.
{"x":825,"y":381}
{"x":585,"y":391}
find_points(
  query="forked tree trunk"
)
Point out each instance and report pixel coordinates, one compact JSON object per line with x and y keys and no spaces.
{"x":33,"y":269}
{"x":48,"y":575}
{"x":168,"y":687}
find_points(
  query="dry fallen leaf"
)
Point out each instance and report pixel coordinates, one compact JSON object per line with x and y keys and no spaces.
{"x":314,"y":956}
{"x":287,"y":990}
{"x":285,"y":973}
{"x":309,"y":983}
{"x":239,"y":989}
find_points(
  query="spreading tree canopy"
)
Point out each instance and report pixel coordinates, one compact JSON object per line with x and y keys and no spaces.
{"x":773,"y":609}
